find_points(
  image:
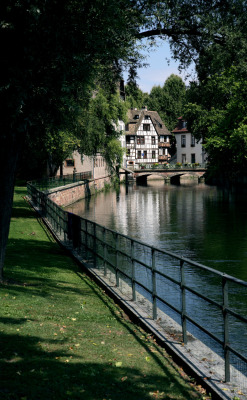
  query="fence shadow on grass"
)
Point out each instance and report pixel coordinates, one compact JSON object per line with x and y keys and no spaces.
{"x":30,"y":372}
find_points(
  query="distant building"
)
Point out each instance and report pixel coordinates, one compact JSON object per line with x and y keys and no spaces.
{"x":147,"y":139}
{"x":189,"y":149}
{"x":81,"y":163}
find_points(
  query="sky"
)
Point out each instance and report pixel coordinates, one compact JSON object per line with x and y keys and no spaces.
{"x":158,"y":70}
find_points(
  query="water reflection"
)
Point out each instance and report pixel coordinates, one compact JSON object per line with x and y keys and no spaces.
{"x":200,"y":222}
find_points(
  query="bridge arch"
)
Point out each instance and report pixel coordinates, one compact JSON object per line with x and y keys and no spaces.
{"x":168,"y":176}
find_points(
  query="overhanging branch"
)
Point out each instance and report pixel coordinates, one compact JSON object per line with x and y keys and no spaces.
{"x":169,"y":32}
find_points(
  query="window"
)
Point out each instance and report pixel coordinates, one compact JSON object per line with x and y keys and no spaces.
{"x":162,"y":138}
{"x":193,"y":142}
{"x":70,"y":163}
{"x":183,"y":158}
{"x":193,"y":158}
{"x":183,"y":141}
{"x":140,"y":140}
{"x":128,"y":152}
{"x":184,"y":124}
{"x":146,"y":127}
{"x":127,"y":139}
{"x":147,"y":117}
{"x":153,"y":153}
{"x":167,"y":139}
{"x":153,"y":139}
{"x":137,"y":116}
{"x":139,"y":154}
{"x":145,"y":154}
{"x":127,"y":127}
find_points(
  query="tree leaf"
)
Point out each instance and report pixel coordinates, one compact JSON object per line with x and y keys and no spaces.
{"x":118,"y":364}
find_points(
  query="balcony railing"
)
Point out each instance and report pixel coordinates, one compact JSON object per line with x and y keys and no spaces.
{"x":164,"y":144}
{"x":163,"y":158}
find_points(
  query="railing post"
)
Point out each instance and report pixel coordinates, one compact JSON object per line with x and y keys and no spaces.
{"x":226,"y":328}
{"x":86,"y":240}
{"x":65,"y":226}
{"x":183,"y":297}
{"x":94,"y":245}
{"x":104,"y":247}
{"x":116,"y":249}
{"x":133,"y":272}
{"x":154,"y":292}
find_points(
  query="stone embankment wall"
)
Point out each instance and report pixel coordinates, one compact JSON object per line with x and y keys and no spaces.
{"x":69,"y":194}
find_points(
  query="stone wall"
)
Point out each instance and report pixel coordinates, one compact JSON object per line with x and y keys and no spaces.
{"x":69,"y":194}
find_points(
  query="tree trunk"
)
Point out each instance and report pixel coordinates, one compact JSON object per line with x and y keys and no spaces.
{"x":9,"y":151}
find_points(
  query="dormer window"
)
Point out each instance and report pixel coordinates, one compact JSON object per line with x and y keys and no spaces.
{"x":137,"y":116}
{"x":146,"y":127}
{"x":147,"y":116}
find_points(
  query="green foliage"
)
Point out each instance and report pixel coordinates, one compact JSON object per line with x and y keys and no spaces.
{"x":98,"y":126}
{"x":168,"y":100}
{"x":113,"y":153}
{"x":135,"y":98}
{"x":55,"y":54}
{"x":221,"y":120}
{"x":54,"y":57}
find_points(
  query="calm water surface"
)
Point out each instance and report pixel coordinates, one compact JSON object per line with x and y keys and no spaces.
{"x":197,"y":221}
{"x":200,"y":222}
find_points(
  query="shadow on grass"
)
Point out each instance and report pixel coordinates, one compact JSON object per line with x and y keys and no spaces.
{"x":39,"y":265}
{"x":30,"y":372}
{"x":21,"y":212}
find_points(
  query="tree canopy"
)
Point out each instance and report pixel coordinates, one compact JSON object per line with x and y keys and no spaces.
{"x":55,"y":54}
{"x":219,"y":116}
{"x":169,"y":100}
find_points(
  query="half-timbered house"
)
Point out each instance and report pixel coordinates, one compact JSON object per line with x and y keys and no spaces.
{"x":147,"y":138}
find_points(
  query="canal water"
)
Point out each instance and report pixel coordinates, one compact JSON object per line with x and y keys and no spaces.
{"x":197,"y":221}
{"x":200,"y":222}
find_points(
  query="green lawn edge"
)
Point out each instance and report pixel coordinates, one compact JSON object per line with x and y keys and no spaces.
{"x":63,"y":337}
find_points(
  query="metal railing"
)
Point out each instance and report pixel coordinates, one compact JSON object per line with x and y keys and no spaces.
{"x":204,"y":302}
{"x":168,"y":166}
{"x":58,"y":181}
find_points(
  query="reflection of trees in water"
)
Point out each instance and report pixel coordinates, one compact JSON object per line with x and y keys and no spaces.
{"x":196,"y":221}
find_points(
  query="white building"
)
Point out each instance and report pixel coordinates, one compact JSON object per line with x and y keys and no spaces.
{"x":147,"y":138}
{"x":189,"y":149}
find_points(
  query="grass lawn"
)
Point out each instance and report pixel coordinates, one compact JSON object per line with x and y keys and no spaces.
{"x":63,"y":338}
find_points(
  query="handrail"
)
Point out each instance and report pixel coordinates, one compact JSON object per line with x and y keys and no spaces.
{"x":120,"y":255}
{"x":168,"y":166}
{"x":61,"y":180}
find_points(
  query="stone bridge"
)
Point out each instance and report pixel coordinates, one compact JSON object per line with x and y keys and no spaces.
{"x":171,"y":175}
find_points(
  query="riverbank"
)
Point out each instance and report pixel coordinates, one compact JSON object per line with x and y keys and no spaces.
{"x":63,"y":337}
